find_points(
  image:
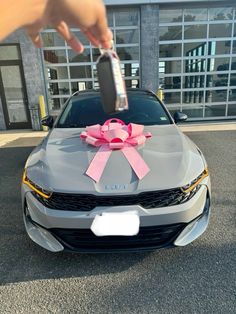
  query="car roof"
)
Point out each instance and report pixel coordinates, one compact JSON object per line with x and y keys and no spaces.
{"x":93,"y":92}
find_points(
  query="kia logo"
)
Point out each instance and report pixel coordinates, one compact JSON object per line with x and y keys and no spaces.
{"x":117,"y":187}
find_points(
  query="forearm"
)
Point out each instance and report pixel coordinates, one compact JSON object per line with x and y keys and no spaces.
{"x":17,"y":13}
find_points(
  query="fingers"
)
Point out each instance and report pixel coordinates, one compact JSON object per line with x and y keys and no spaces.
{"x":92,"y":36}
{"x":33,"y":33}
{"x":99,"y":34}
{"x":69,"y":37}
{"x":89,"y":16}
{"x":101,"y":31}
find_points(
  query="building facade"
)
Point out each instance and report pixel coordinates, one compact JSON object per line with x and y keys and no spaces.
{"x":186,"y":48}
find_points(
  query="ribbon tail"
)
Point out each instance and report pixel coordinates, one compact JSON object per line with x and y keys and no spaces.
{"x":136,"y":161}
{"x":98,"y":163}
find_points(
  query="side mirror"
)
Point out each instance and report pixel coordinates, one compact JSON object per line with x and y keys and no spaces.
{"x":47,"y":121}
{"x":180,"y":116}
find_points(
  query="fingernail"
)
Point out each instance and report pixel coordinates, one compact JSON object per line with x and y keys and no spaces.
{"x":76,"y":45}
{"x":107,"y":44}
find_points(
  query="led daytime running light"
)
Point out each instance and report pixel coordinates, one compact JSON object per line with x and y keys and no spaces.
{"x":31,"y":185}
{"x":203,"y":175}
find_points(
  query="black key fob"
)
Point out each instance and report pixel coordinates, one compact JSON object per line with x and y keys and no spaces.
{"x":112,"y":86}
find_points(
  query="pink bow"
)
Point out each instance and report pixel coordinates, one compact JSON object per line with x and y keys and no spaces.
{"x":115,"y":135}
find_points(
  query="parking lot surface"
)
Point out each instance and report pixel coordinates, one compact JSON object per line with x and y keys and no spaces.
{"x":199,"y":278}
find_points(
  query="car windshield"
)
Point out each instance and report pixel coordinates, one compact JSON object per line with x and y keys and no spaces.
{"x":86,"y":110}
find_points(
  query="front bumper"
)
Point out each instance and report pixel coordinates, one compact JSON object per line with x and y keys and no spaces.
{"x":57,"y":230}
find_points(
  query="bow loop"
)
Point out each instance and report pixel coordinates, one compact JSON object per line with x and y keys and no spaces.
{"x":115,"y":135}
{"x":135,"y":129}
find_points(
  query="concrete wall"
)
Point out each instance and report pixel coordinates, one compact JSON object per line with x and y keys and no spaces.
{"x":149,"y":49}
{"x":32,"y":70}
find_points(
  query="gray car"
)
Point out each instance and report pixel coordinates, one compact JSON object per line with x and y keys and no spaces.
{"x":65,"y":209}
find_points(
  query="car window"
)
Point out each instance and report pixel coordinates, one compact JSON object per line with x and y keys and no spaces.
{"x":87,"y":110}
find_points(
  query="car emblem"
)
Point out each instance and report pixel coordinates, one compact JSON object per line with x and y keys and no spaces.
{"x":117,"y":187}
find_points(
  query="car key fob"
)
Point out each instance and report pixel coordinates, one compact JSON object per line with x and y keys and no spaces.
{"x":112,"y":86}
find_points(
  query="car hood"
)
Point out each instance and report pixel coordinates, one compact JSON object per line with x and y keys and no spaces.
{"x":59,"y":163}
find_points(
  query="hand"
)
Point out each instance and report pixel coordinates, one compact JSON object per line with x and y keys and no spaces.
{"x":88,"y":15}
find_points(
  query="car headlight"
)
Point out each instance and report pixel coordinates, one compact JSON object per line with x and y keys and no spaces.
{"x":188,"y":188}
{"x":37,"y":189}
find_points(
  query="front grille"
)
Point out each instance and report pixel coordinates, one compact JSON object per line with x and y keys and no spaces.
{"x":147,"y":238}
{"x":87,"y":202}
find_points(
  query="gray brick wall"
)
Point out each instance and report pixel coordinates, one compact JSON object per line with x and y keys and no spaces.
{"x":32,"y":71}
{"x":149,"y":49}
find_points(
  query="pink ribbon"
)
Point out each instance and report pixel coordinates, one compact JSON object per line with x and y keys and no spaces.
{"x":115,"y":135}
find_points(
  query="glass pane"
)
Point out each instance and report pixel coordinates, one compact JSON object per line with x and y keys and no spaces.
{"x":168,"y":67}
{"x":168,"y":16}
{"x":216,"y":96}
{"x":220,"y":13}
{"x":9,"y":53}
{"x":233,"y":65}
{"x":56,"y":103}
{"x":128,"y":53}
{"x":56,"y":73}
{"x":193,"y":111}
{"x":110,"y":18}
{"x":195,"y":31}
{"x":170,"y":50}
{"x":220,"y":30}
{"x":232,"y":108}
{"x":52,"y":39}
{"x":234,"y":29}
{"x":217,"y":80}
{"x":79,"y":86}
{"x":193,"y":96}
{"x":59,"y":88}
{"x":232,"y":95}
{"x":172,"y":82}
{"x":80,"y":71}
{"x":95,"y":74}
{"x":194,"y":81}
{"x":234,"y":47}
{"x":195,"y":15}
{"x":195,"y":65}
{"x":130,"y":69}
{"x":195,"y":49}
{"x":14,"y":92}
{"x":218,"y":64}
{"x":171,"y":98}
{"x":95,"y":54}
{"x":215,"y":111}
{"x":96,"y":85}
{"x":75,"y":57}
{"x":233,"y":79}
{"x":127,"y":36}
{"x":170,"y":32}
{"x":132,"y":83}
{"x":219,"y":47}
{"x":55,"y":56}
{"x":81,"y":37}
{"x":126,"y":17}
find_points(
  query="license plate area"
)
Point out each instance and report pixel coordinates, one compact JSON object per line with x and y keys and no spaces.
{"x":116,"y":224}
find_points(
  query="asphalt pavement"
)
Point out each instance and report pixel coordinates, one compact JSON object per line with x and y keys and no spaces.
{"x":199,"y":278}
